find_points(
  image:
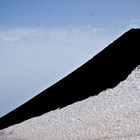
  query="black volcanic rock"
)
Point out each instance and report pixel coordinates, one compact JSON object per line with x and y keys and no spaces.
{"x":105,"y":70}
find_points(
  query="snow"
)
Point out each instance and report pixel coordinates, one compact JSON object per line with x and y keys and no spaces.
{"x":114,"y":114}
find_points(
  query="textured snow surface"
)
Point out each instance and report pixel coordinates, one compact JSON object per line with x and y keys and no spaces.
{"x":112,"y":115}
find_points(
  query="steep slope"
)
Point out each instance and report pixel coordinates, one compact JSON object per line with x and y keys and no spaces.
{"x":105,"y":70}
{"x":114,"y":114}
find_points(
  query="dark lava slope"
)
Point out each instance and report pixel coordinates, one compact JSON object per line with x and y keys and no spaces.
{"x":105,"y":70}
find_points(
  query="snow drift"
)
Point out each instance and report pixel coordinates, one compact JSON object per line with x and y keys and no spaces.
{"x":113,"y":114}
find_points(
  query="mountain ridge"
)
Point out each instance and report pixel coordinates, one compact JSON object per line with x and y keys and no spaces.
{"x":112,"y":115}
{"x":105,"y":70}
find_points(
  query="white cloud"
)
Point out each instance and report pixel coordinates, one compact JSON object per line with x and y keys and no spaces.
{"x":32,"y":59}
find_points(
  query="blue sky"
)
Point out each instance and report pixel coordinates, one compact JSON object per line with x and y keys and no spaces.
{"x":56,"y":13}
{"x":41,"y":41}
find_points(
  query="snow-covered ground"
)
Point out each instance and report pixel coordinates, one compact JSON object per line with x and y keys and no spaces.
{"x":112,"y":115}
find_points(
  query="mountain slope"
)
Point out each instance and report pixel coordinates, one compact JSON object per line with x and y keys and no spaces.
{"x":112,"y":115}
{"x":105,"y":70}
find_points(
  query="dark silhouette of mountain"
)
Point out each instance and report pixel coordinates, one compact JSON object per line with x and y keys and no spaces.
{"x":105,"y":70}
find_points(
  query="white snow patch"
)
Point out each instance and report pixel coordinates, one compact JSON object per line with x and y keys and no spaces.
{"x":112,"y":115}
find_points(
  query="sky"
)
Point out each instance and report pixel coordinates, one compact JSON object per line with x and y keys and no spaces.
{"x":41,"y":41}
